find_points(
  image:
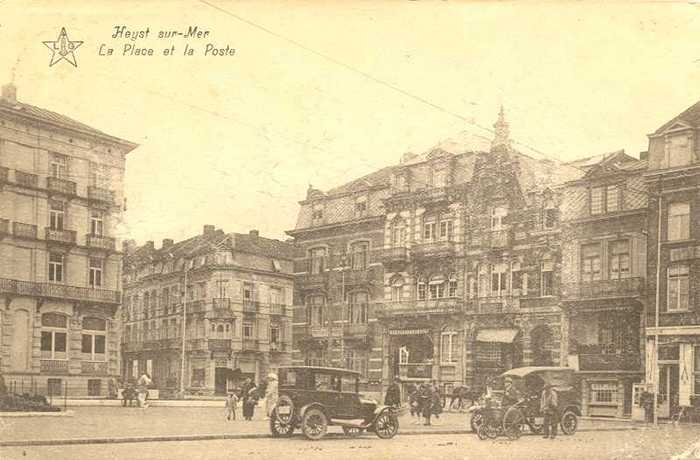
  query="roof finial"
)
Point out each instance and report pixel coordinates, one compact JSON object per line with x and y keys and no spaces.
{"x":502,"y":132}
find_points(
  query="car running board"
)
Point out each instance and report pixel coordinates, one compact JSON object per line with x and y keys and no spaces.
{"x":358,"y":423}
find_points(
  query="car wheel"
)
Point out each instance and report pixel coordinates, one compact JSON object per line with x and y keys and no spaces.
{"x":513,"y":422}
{"x":314,"y":424}
{"x":476,"y":421}
{"x":284,"y":409}
{"x":535,"y":428}
{"x":386,"y":425}
{"x":280,"y":429}
{"x":569,"y":423}
{"x":352,"y":432}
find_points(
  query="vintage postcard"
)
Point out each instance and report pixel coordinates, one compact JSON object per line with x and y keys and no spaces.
{"x":349,"y":229}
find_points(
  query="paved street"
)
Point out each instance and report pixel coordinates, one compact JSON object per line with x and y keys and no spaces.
{"x":631,"y":444}
{"x":107,"y":422}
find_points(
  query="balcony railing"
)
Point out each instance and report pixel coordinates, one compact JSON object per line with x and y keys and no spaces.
{"x":278,"y":347}
{"x":219,"y":345}
{"x":100,"y":194}
{"x":4,"y":226}
{"x":60,"y":236}
{"x":421,"y":307}
{"x":58,"y":291}
{"x":250,"y":344}
{"x":56,"y":184}
{"x":26,"y":179}
{"x":391,"y":255}
{"x":54,"y":366}
{"x":317,"y":362}
{"x":278,"y":309}
{"x":100,"y":242}
{"x":197,"y":345}
{"x":21,"y":230}
{"x":4,"y":174}
{"x":434,"y":249}
{"x":626,"y":287}
{"x":251,"y":306}
{"x":497,"y":304}
{"x":93,"y":368}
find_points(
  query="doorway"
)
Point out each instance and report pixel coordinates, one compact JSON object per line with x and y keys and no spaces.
{"x":220,"y":379}
{"x":668,"y":389}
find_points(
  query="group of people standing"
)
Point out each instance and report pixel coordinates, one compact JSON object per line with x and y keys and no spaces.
{"x":425,"y":400}
{"x":249,"y":394}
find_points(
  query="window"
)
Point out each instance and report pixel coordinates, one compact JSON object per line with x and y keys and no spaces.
{"x":202,"y":289}
{"x":696,"y":370}
{"x":429,"y":230}
{"x":247,"y":330}
{"x":597,"y":194}
{"x":448,"y":347}
{"x":96,"y":223}
{"x":357,"y":310}
{"x":95,"y":275}
{"x":497,"y":215}
{"x":604,"y":392}
{"x":550,"y":214}
{"x":165,"y":301}
{"x":276,"y":296}
{"x":437,"y":287}
{"x":677,"y":288}
{"x":612,"y":198}
{"x":56,"y":215}
{"x":318,"y":260}
{"x":197,"y":377}
{"x":489,"y":352}
{"x":94,"y":387}
{"x":54,"y":334}
{"x":396,"y":289}
{"x":359,"y":252}
{"x":248,"y":294}
{"x":54,"y":387}
{"x":398,"y":234}
{"x":56,"y":267}
{"x":317,"y":213}
{"x":446,"y":230}
{"x":678,"y":150}
{"x":590,"y":262}
{"x":678,"y":221}
{"x":274,"y":334}
{"x":403,"y":355}
{"x":498,"y":280}
{"x":361,"y":207}
{"x":316,"y":309}
{"x":547,"y":278}
{"x":619,"y":265}
{"x":222,"y":288}
{"x":59,"y":166}
{"x":438,"y":177}
{"x":421,"y":289}
{"x":452,"y":286}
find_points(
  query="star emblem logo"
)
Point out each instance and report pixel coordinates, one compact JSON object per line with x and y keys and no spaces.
{"x":63,"y":49}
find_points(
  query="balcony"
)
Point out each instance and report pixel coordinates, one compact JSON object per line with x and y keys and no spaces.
{"x":278,"y":309}
{"x":498,"y":304}
{"x":197,"y":345}
{"x":105,"y":243}
{"x":250,"y":345}
{"x":604,"y":289}
{"x":421,"y":307}
{"x":93,"y":368}
{"x":499,"y":239}
{"x":221,"y":308}
{"x":196,"y":306}
{"x":278,"y":347}
{"x":392,"y":255}
{"x":59,"y":291}
{"x":60,"y":236}
{"x":26,"y":231}
{"x":54,"y":366}
{"x":433,"y":249}
{"x":26,"y":179}
{"x":219,"y":345}
{"x":58,"y":185}
{"x":251,"y":306}
{"x":416,"y":371}
{"x":101,"y":195}
{"x":4,"y":226}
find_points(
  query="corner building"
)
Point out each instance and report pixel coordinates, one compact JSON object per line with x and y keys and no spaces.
{"x":61,"y":195}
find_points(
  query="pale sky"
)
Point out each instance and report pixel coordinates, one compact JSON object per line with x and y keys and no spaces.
{"x":235,"y":141}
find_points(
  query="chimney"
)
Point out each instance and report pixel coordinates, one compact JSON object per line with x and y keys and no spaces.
{"x":254,"y":233}
{"x":9,"y":93}
{"x":209,"y":230}
{"x":150,"y":245}
{"x":644,"y":155}
{"x":167,"y":242}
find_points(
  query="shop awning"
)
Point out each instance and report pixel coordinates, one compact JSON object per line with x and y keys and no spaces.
{"x":408,"y":331}
{"x":496,"y":335}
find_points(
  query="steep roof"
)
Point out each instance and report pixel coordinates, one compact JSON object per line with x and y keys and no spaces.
{"x":259,"y":245}
{"x":691,"y":116}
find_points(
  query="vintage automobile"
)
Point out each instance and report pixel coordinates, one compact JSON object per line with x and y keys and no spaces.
{"x":529,"y":382}
{"x":313,"y":398}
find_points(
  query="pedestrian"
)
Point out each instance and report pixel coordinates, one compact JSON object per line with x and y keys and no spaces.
{"x":249,"y":403}
{"x":142,"y":387}
{"x":270,"y":394}
{"x":393,"y":394}
{"x":426,"y":402}
{"x":436,"y":400}
{"x":230,"y":408}
{"x":549,"y":406}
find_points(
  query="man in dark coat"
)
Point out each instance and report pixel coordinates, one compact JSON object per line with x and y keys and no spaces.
{"x":393,"y":395}
{"x":426,"y":396}
{"x":549,"y":406}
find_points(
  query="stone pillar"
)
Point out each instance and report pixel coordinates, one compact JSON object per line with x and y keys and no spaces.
{"x":564,"y":341}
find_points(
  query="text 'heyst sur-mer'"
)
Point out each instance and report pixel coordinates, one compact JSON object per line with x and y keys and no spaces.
{"x":196,"y":42}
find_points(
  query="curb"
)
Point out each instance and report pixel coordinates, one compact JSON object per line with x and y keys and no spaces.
{"x":64,"y":413}
{"x":213,"y":437}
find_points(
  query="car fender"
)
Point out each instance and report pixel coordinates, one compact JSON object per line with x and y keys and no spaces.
{"x":573,"y":408}
{"x":316,"y":405}
{"x":379,"y":410}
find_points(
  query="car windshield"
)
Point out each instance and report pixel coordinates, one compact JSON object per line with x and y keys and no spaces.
{"x":349,"y":384}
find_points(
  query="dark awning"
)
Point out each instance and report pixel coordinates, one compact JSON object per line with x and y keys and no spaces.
{"x":496,"y":335}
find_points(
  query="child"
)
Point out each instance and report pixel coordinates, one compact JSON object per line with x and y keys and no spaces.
{"x":230,"y":410}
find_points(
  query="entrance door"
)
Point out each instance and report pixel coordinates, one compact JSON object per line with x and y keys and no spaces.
{"x":668,"y":389}
{"x":220,"y":380}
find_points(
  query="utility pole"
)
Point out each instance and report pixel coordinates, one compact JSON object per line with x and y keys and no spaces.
{"x":184,"y":331}
{"x":655,"y":359}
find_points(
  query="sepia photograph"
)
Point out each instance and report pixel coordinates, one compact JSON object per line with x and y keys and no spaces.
{"x":349,"y":229}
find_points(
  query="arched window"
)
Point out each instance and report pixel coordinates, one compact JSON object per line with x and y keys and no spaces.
{"x":397,"y":288}
{"x":220,"y":331}
{"x":94,"y":339}
{"x":422,"y":289}
{"x":54,"y":336}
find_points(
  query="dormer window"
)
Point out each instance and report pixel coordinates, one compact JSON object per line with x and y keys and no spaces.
{"x":605,"y":199}
{"x":317,"y":213}
{"x":678,"y":150}
{"x":497,"y":215}
{"x":361,"y":206}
